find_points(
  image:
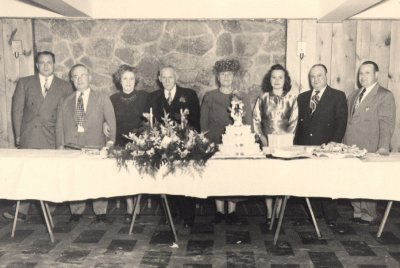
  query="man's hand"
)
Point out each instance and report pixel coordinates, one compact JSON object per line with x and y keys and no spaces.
{"x":383,"y":151}
{"x":106,"y":130}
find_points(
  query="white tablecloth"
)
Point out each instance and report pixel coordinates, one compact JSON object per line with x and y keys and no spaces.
{"x":69,"y":175}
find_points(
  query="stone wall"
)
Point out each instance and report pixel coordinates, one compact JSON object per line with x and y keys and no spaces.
{"x":191,"y":46}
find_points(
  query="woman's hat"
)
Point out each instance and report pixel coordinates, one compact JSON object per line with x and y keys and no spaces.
{"x":227,"y":65}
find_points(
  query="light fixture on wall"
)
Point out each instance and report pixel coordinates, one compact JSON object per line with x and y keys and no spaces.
{"x":16,"y":47}
{"x":301,"y":49}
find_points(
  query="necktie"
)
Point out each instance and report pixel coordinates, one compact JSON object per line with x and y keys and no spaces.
{"x":80,"y":111}
{"x":46,"y":87}
{"x":314,"y":102}
{"x":169,"y":97}
{"x":359,"y":99}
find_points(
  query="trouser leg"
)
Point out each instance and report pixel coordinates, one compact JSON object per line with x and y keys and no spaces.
{"x":357,"y":208}
{"x":329,"y":207}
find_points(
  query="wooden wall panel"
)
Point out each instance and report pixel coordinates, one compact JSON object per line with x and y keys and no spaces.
{"x":14,"y":68}
{"x":380,"y":48}
{"x":394,"y":78}
{"x":294,"y":29}
{"x":324,"y":46}
{"x":308,"y":36}
{"x":3,"y":96}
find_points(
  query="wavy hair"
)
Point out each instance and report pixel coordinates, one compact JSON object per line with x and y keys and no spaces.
{"x":117,"y":76}
{"x":266,"y":84}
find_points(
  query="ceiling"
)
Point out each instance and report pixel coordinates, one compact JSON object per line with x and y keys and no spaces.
{"x":323,"y":10}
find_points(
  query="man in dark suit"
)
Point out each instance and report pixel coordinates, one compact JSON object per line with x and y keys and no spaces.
{"x":371,"y":122}
{"x":80,"y":120}
{"x":171,"y":99}
{"x":322,"y":119}
{"x":34,"y":111}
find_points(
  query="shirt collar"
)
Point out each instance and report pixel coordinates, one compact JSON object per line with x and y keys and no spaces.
{"x":369,"y":89}
{"x":321,"y":92}
{"x":173,"y":91}
{"x":42,"y":79}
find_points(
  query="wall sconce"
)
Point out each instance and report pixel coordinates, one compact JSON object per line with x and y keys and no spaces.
{"x":16,"y":47}
{"x":301,"y":49}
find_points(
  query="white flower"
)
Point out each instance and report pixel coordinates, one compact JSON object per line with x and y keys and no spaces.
{"x":165,"y":142}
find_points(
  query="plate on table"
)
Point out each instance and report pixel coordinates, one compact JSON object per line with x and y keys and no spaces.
{"x":291,"y":152}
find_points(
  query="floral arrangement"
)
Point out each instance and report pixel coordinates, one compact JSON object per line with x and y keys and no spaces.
{"x":164,"y":148}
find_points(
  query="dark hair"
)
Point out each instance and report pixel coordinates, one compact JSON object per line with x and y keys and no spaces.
{"x":266,"y":84}
{"x":75,"y":66}
{"x":117,"y":76}
{"x":376,"y":68}
{"x":45,"y":53}
{"x":319,"y":65}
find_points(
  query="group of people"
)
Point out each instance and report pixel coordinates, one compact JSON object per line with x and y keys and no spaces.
{"x":47,"y":113}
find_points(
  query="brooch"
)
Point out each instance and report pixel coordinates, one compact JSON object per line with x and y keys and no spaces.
{"x":182,"y":99}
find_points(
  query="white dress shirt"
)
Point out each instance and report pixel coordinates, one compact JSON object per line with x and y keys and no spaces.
{"x":42,"y":82}
{"x":173,"y":92}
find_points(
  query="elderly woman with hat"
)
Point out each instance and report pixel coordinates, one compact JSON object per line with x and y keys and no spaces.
{"x":215,"y":116}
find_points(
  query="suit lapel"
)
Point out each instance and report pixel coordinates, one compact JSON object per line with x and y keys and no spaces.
{"x":177,"y":96}
{"x":71,"y":104}
{"x":352,"y":101}
{"x":322,"y":101}
{"x":369,"y":99}
{"x":92,"y":100}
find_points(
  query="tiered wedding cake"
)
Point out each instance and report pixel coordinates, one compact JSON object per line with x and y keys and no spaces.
{"x":238,"y":140}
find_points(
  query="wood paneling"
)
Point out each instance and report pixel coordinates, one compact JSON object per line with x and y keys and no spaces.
{"x":342,"y":47}
{"x":293,"y":65}
{"x":13,"y":68}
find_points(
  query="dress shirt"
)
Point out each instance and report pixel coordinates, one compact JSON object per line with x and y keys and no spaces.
{"x":42,"y":82}
{"x":367,"y":91}
{"x":321,"y":92}
{"x":173,"y":92}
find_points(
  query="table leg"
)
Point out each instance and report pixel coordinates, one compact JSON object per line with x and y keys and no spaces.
{"x":313,"y":217}
{"x":278,"y":227}
{"x":49,"y":214}
{"x":47,"y":221}
{"x":271,"y":225}
{"x":384,"y":219}
{"x":135,"y":208}
{"x":15,"y":219}
{"x":171,"y":223}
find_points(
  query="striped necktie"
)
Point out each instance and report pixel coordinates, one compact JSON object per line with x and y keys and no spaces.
{"x":46,"y":86}
{"x":80,"y":111}
{"x":169,"y":97}
{"x":359,"y":100}
{"x":314,"y":102}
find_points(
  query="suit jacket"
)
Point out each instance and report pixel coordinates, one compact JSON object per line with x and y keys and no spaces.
{"x":99,"y":110}
{"x":327,"y":123}
{"x":33,"y":116}
{"x":184,"y":98}
{"x":372,"y":124}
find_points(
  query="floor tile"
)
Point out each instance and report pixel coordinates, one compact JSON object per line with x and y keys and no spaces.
{"x":387,"y":238}
{"x":41,"y":246}
{"x":396,"y":256}
{"x":264,"y":228}
{"x":73,"y":256}
{"x":197,"y":265}
{"x":343,"y":229}
{"x":311,"y":238}
{"x":121,"y":245}
{"x":285,"y":265}
{"x":325,"y":260}
{"x":371,"y":266}
{"x":237,"y":237}
{"x":20,"y":235}
{"x":199,"y":247}
{"x":137,"y":229}
{"x":282,"y":248}
{"x":90,"y":236}
{"x":162,"y":237}
{"x":64,"y":227}
{"x":20,"y":264}
{"x":156,"y":258}
{"x":357,"y":248}
{"x":202,"y":228}
{"x":109,"y":265}
{"x":240,"y":259}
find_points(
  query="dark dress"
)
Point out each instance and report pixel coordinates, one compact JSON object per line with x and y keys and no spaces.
{"x":129,"y":109}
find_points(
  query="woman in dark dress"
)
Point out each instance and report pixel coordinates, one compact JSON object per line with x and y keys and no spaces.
{"x":215,"y":116}
{"x":129,"y":106}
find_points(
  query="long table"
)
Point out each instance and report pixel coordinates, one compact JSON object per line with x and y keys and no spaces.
{"x":57,"y":176}
{"x":67,"y":175}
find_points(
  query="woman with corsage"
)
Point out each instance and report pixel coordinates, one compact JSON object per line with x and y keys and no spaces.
{"x":129,"y":106}
{"x":215,"y":116}
{"x":275,"y":112}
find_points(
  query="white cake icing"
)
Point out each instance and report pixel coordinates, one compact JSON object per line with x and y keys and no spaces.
{"x":238,"y":141}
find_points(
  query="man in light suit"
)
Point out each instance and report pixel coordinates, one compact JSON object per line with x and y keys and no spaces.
{"x":322,"y":119}
{"x":34,"y":111}
{"x":80,"y":120}
{"x":371,"y":122}
{"x":171,"y":99}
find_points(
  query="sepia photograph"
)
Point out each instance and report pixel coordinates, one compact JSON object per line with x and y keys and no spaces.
{"x":200,"y":134}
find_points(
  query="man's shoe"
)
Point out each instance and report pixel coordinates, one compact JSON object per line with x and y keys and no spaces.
{"x":218,"y":218}
{"x":102,"y":218}
{"x":355,"y":220}
{"x":75,"y":218}
{"x":363,"y":222}
{"x":331,"y":223}
{"x":21,"y":216}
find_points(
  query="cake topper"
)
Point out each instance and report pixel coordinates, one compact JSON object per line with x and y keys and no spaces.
{"x":237,"y":110}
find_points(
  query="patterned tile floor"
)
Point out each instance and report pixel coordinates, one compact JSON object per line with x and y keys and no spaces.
{"x":88,"y":244}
